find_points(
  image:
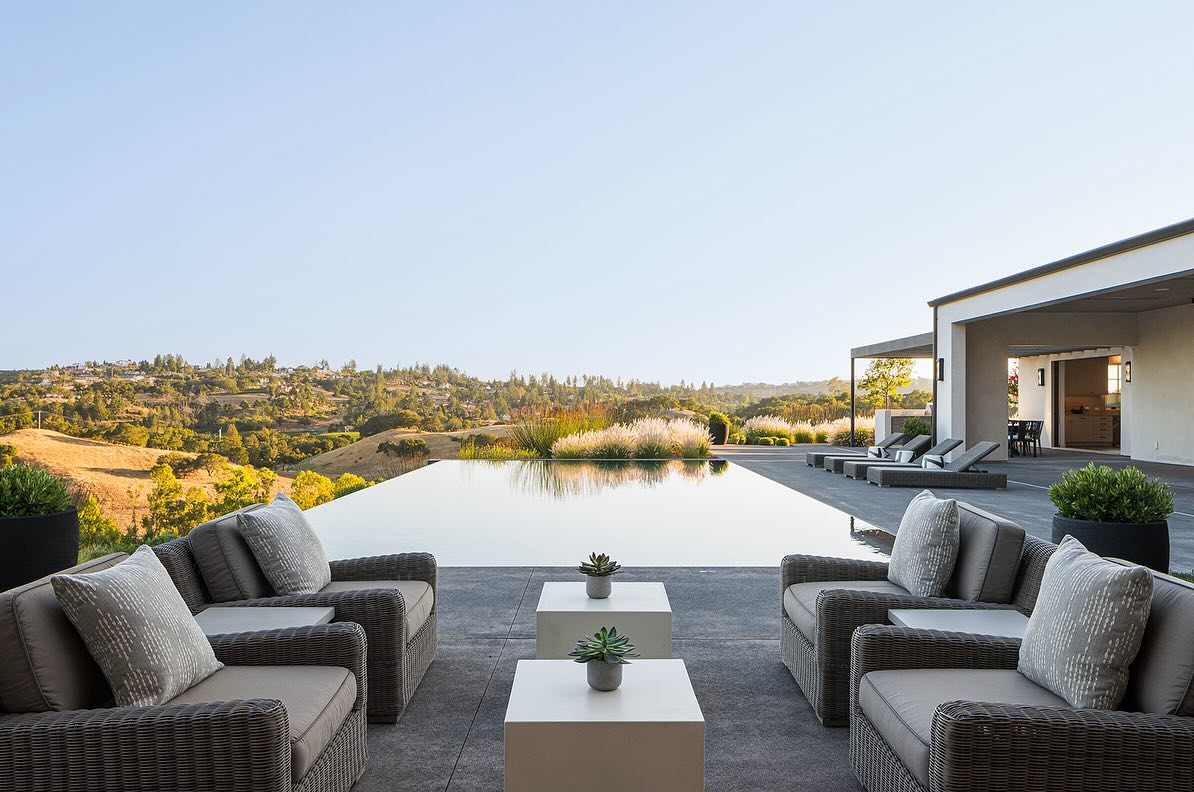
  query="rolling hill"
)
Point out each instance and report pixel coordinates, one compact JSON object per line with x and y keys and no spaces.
{"x":363,"y":458}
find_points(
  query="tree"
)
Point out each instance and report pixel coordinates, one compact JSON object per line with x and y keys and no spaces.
{"x":311,"y":489}
{"x":244,"y":487}
{"x":885,"y":378}
{"x":404,"y":447}
{"x":94,"y":527}
{"x":349,"y":483}
{"x":233,"y":447}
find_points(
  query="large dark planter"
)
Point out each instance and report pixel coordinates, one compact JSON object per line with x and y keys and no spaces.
{"x":33,"y":547}
{"x":1146,"y":544}
{"x":719,"y":432}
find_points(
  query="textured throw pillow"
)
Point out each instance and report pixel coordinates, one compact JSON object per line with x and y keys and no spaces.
{"x":286,"y":547}
{"x":926,"y":546}
{"x":875,"y":452}
{"x":138,"y":629}
{"x":1087,"y":626}
{"x":932,"y":462}
{"x":904,"y":457}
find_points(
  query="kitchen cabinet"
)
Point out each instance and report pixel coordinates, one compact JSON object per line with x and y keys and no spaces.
{"x":1090,"y":430}
{"x":1086,"y":376}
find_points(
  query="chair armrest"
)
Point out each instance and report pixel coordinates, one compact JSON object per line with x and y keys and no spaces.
{"x":977,"y":746}
{"x":880,"y":647}
{"x":230,"y":745}
{"x":340,"y":644}
{"x":808,"y":569}
{"x":399,"y":566}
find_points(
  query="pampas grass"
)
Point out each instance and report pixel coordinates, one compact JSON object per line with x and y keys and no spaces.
{"x":647,"y":438}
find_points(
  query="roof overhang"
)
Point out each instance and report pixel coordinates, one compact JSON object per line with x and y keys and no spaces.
{"x":917,"y":346}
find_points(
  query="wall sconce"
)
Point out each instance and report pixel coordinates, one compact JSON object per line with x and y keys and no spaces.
{"x":1128,"y":371}
{"x":1040,"y":376}
{"x":941,"y":369}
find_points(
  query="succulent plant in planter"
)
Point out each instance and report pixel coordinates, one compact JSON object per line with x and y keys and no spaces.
{"x":39,"y":526}
{"x":603,"y":656}
{"x":598,"y":570}
{"x":1119,"y":513}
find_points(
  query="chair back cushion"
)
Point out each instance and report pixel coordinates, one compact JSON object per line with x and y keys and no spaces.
{"x":926,"y":546}
{"x":225,"y":560}
{"x":1162,"y":678}
{"x":44,"y":665}
{"x":138,"y":629}
{"x":286,"y":547}
{"x":989,"y":550}
{"x":1087,"y":627}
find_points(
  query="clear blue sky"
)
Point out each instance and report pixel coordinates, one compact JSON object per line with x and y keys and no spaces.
{"x":653,"y":190}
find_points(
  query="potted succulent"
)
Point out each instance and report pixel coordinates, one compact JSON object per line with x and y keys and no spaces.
{"x":719,"y":427}
{"x":1118,"y":513}
{"x":39,"y":526}
{"x":603,"y":656}
{"x":597,"y":571}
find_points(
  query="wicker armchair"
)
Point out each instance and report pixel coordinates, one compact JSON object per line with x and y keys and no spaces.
{"x":817,"y":649}
{"x":363,"y":590}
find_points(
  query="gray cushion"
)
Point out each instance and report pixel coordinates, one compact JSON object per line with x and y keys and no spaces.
{"x":800,"y":600}
{"x":229,"y":569}
{"x":900,"y":704}
{"x":1087,"y":626}
{"x":926,"y":546}
{"x":286,"y":547}
{"x":1162,"y":678}
{"x":137,"y":629}
{"x":417,"y":596}
{"x":317,"y":700}
{"x":44,"y":664}
{"x":989,"y":549}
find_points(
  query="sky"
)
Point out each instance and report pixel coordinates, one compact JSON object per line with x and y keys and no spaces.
{"x":717,"y":192}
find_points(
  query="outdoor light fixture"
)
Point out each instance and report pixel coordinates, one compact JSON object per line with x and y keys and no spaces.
{"x":941,"y":369}
{"x":1040,"y":376}
{"x":1128,"y":371}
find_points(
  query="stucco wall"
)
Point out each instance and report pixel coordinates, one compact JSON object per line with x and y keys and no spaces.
{"x":1158,"y":400}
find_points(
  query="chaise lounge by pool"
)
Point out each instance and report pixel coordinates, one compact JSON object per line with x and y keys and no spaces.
{"x":552,"y":513}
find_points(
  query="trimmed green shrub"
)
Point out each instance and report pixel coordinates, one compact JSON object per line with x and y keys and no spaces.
{"x":862,"y":437}
{"x":802,"y":436}
{"x":765,"y":441}
{"x":916,"y":426}
{"x":783,"y":441}
{"x":1102,"y":494}
{"x":27,"y":491}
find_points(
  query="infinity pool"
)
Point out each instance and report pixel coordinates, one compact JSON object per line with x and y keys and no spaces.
{"x":554,"y":513}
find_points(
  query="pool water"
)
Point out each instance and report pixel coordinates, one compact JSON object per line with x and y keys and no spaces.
{"x":478,"y":513}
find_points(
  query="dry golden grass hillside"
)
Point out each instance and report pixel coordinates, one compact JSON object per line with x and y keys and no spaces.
{"x":118,"y":475}
{"x":363,"y":458}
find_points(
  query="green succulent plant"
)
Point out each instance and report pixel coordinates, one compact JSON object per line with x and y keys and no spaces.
{"x":1102,"y":494}
{"x":27,"y":491}
{"x":599,"y":565}
{"x":605,"y":646}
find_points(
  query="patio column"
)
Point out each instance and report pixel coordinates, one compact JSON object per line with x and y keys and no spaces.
{"x":851,"y":401}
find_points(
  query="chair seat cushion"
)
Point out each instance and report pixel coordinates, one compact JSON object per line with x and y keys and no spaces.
{"x":417,"y":595}
{"x":800,"y":600}
{"x":317,"y":701}
{"x":900,"y":704}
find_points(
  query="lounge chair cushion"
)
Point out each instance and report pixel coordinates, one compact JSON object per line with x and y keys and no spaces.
{"x":900,"y":704}
{"x":1162,"y":678}
{"x":138,"y":629}
{"x":989,"y":549}
{"x":229,"y":569}
{"x":926,"y":546}
{"x":800,"y":600}
{"x":1087,"y":626}
{"x":317,"y":700}
{"x":286,"y":546}
{"x":417,"y":595}
{"x":44,"y":664}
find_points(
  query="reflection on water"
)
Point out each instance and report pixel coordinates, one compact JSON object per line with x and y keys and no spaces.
{"x":588,"y":479}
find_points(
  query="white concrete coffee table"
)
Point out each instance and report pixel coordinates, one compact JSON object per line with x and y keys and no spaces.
{"x":221,"y":621}
{"x":566,"y":614}
{"x":1000,"y":623}
{"x":562,"y":735}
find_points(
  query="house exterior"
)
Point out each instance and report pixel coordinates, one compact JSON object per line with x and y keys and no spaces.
{"x":1104,"y":342}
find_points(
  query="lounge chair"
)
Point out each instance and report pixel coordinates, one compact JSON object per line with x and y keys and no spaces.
{"x":817,"y":458}
{"x":959,"y":474}
{"x":857,"y":468}
{"x":917,"y":446}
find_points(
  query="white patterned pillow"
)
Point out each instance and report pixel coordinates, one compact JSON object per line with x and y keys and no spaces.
{"x":926,"y":546}
{"x":876,"y":452}
{"x":1087,"y":626}
{"x":138,"y":629}
{"x":932,"y":462}
{"x":286,"y":547}
{"x":904,"y":457}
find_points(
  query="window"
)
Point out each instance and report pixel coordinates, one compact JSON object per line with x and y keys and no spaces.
{"x":1113,"y":375}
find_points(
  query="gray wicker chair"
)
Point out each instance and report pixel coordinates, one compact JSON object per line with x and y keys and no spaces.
{"x":857,"y":468}
{"x":817,"y":621}
{"x":60,"y":732}
{"x":917,"y":445}
{"x":957,"y":474}
{"x":982,"y":727}
{"x":817,"y":458}
{"x":363,"y":590}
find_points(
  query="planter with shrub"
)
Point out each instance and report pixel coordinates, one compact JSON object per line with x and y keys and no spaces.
{"x":1117,"y":513}
{"x":915,"y":426}
{"x":719,"y":427}
{"x":39,"y":526}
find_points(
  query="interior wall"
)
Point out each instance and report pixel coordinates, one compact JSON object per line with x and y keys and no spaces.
{"x":1158,"y":399}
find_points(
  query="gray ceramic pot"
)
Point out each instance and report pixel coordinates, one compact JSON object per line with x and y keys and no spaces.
{"x":603,"y":675}
{"x":598,"y":587}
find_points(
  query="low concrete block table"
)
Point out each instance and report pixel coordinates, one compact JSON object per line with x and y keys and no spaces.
{"x":220,"y":621}
{"x":998,"y":622}
{"x":563,"y":735}
{"x":566,"y":614}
